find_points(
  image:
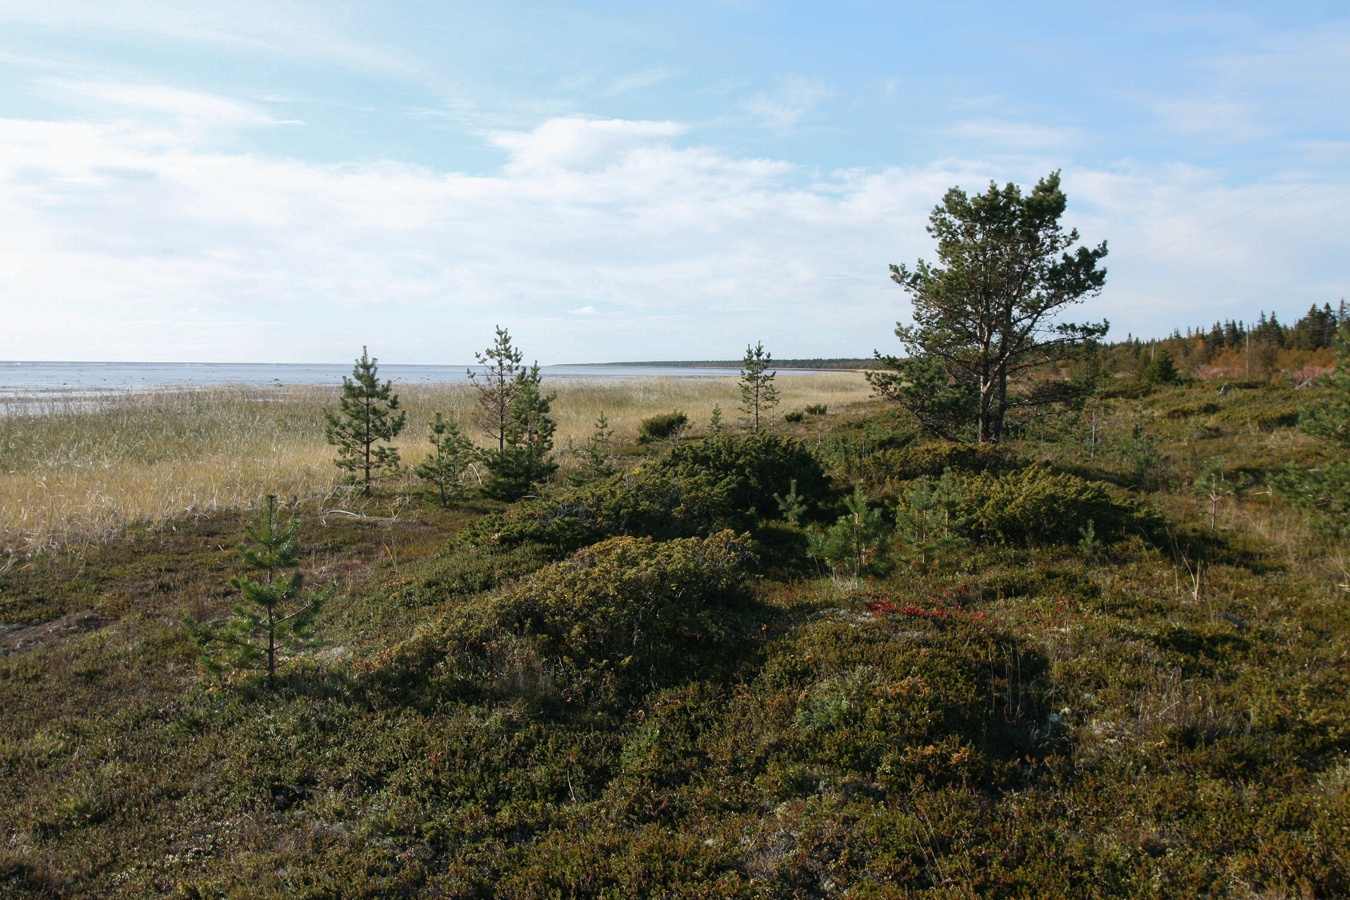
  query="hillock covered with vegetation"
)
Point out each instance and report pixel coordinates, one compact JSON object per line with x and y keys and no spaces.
{"x":1106,"y":657}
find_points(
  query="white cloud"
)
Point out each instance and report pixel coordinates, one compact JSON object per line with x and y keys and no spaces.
{"x":186,"y":106}
{"x":580,"y":143}
{"x":142,"y":242}
{"x":794,"y":98}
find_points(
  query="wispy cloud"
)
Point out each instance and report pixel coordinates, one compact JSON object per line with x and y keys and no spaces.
{"x":187,"y":106}
{"x":793,"y":99}
{"x":996,"y":135}
{"x":636,"y":81}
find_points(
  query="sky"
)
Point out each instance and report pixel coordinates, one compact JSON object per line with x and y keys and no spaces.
{"x":289,"y":181}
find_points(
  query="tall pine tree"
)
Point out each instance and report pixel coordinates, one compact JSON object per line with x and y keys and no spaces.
{"x":368,"y":418}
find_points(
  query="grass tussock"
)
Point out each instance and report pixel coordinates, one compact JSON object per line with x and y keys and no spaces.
{"x":79,"y":469}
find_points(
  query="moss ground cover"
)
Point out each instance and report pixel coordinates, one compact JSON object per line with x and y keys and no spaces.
{"x":506,"y":703}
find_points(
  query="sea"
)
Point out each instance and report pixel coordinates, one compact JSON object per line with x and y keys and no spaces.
{"x":27,"y":379}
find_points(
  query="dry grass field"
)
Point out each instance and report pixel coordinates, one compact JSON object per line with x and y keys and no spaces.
{"x":76,"y":471}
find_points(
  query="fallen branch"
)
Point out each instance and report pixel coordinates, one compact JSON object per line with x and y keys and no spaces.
{"x":360,"y":517}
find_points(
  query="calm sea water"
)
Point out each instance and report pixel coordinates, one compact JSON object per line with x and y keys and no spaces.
{"x":26,"y":378}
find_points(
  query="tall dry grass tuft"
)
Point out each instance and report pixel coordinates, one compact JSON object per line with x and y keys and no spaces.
{"x":75,"y":468}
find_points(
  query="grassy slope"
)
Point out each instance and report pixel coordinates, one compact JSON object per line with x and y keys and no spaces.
{"x":1025,"y":723}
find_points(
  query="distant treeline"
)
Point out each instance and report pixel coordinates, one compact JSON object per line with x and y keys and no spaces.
{"x":1236,"y":349}
{"x":736,"y":363}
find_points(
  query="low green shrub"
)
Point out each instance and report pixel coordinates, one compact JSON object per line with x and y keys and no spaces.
{"x":723,"y":481}
{"x":750,"y":469}
{"x":664,"y":427}
{"x":885,"y":468}
{"x":1040,"y":506}
{"x":619,"y":617}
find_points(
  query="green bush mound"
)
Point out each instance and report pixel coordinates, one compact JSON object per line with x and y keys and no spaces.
{"x":664,"y":427}
{"x":724,"y":481}
{"x":749,"y":469}
{"x":1041,"y":506}
{"x":616,"y":619}
{"x":888,"y":467}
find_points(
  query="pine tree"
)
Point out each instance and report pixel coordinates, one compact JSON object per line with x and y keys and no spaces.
{"x":927,"y":519}
{"x":445,"y":466}
{"x":273,"y":613}
{"x":1161,"y":369}
{"x":715,"y":421}
{"x":496,"y":386}
{"x":524,"y":459}
{"x":854,"y":542}
{"x":758,"y":395}
{"x":595,"y":455}
{"x":368,"y":417}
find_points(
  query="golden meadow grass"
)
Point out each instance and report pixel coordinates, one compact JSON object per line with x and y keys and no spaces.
{"x":76,"y":470}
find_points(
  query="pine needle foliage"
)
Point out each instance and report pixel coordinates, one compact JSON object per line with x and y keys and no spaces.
{"x":525,"y":458}
{"x":758,"y":395}
{"x":928,"y":522}
{"x":273,"y":615}
{"x":854,"y":543}
{"x":367,"y":419}
{"x":1324,"y":489}
{"x":594,"y":455}
{"x":497,"y":385}
{"x":444,"y":469}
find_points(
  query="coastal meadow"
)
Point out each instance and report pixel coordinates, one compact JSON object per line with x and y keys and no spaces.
{"x":78,"y":468}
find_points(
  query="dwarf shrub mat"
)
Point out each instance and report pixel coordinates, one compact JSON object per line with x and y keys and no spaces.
{"x":1162,"y":717}
{"x":617,"y":618}
{"x":1039,"y":505}
{"x":697,"y":488}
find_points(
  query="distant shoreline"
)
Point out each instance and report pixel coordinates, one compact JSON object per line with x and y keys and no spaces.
{"x":840,"y":364}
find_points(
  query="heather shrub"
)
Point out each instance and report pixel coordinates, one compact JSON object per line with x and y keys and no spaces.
{"x":750,"y":469}
{"x":725,"y":481}
{"x":623,"y":615}
{"x":1039,"y":505}
{"x":664,"y":427}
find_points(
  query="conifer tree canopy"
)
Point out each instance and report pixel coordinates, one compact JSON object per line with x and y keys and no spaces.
{"x":984,"y":314}
{"x":368,"y":418}
{"x":758,"y":395}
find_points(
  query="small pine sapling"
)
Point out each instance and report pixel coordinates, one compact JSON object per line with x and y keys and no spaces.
{"x":368,"y":418}
{"x":758,"y":395}
{"x":496,"y":386}
{"x":927,"y":520}
{"x":526,"y":458}
{"x":1088,"y":545}
{"x":594,"y":455}
{"x":273,"y":614}
{"x":715,"y":421}
{"x":792,"y":506}
{"x":444,"y":468}
{"x":854,"y":542}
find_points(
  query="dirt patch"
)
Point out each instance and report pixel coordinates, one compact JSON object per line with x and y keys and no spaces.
{"x":20,"y":636}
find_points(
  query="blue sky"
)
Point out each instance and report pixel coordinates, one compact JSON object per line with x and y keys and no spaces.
{"x":287,"y":181}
